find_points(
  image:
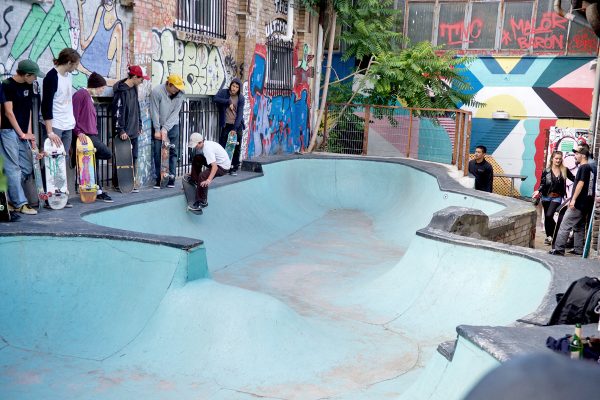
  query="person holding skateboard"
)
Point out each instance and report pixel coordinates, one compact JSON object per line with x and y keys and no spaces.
{"x":127,"y":117}
{"x":580,"y":205}
{"x":230,"y":103}
{"x":553,"y":189}
{"x":57,"y":100}
{"x":482,"y":170}
{"x":165,"y":104}
{"x":209,"y":154}
{"x":86,"y":123}
{"x":16,"y":130}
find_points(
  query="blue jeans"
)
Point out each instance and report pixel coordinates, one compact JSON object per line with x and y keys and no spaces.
{"x":17,"y":164}
{"x":173,"y":135}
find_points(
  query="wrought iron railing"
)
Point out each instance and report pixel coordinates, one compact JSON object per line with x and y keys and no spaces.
{"x":280,"y":69}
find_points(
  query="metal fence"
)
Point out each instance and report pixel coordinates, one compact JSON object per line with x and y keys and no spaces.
{"x":197,"y":115}
{"x":440,"y":135}
{"x":203,"y":17}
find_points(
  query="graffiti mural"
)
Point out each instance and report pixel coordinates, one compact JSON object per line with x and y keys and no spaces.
{"x":278,"y":123}
{"x":40,"y":31}
{"x":200,"y":65}
{"x":538,"y":93}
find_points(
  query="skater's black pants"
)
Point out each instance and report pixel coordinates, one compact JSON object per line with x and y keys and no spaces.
{"x":550,"y":208}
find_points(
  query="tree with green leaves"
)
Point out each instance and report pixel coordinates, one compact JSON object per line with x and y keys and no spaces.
{"x":392,"y":71}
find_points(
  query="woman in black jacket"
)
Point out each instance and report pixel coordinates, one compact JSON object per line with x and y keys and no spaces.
{"x":553,"y":189}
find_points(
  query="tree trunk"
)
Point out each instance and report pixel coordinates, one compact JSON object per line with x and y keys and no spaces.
{"x":317,"y":124}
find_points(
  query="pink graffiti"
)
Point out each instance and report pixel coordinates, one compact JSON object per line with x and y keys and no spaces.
{"x":456,"y":32}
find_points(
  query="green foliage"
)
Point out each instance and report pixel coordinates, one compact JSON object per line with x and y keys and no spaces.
{"x":421,"y":76}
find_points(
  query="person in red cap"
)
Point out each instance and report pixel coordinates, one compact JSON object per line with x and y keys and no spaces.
{"x":127,"y":118}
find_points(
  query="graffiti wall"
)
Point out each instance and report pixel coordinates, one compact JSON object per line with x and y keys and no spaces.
{"x":538,"y":93}
{"x":279,"y":123}
{"x":200,"y":65}
{"x":39,"y":31}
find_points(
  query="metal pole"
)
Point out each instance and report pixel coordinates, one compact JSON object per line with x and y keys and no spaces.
{"x":409,"y":133}
{"x":366,"y":130}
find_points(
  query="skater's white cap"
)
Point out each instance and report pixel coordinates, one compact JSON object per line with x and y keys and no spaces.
{"x":195,"y":138}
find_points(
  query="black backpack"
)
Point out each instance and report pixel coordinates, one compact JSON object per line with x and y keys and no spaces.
{"x":578,"y":304}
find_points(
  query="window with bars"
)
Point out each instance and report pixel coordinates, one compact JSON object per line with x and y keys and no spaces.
{"x":203,"y":17}
{"x":279,"y":66}
{"x":523,"y":26}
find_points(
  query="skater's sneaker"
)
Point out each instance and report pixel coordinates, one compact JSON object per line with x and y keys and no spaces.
{"x":555,"y":252}
{"x":196,"y":207}
{"x":105,"y":198}
{"x":233,"y":172}
{"x":14,"y":216}
{"x":575,"y":252}
{"x":548,"y":240}
{"x":135,"y":190}
{"x":157,"y":184}
{"x":68,"y":205}
{"x":202,"y":204}
{"x":26,"y":209}
{"x":171,"y":183}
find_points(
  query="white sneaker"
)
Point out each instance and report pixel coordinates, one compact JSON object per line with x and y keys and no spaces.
{"x":548,"y":240}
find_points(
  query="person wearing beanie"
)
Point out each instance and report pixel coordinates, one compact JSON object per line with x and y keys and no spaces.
{"x":205,"y":153}
{"x":86,"y":122}
{"x":165,"y":104}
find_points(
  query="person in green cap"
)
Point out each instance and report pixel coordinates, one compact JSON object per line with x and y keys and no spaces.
{"x":16,"y":131}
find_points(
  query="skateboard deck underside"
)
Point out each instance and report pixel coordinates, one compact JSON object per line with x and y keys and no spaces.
{"x":189,"y":190}
{"x":124,"y":164}
{"x":86,"y":162}
{"x":56,"y":175}
{"x":165,"y":176}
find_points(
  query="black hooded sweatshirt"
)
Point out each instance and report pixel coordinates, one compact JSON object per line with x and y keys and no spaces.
{"x":126,"y":110}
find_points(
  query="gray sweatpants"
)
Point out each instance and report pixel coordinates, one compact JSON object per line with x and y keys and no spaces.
{"x":574,"y":219}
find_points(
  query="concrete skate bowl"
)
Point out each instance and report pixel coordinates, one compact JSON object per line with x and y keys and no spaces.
{"x":311,"y":283}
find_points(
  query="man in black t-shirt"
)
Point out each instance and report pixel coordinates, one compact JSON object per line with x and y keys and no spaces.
{"x":580,"y":205}
{"x":482,"y":170}
{"x":16,"y":132}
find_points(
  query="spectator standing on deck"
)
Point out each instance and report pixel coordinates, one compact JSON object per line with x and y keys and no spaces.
{"x":553,"y":189}
{"x":165,"y":104}
{"x":206,"y":154}
{"x":231,"y":111}
{"x":482,"y":170}
{"x":16,"y":98}
{"x":86,"y":122}
{"x":581,"y":203}
{"x":127,"y":117}
{"x":57,"y":100}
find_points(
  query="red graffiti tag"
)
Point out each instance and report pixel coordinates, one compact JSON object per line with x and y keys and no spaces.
{"x":584,"y":42}
{"x":547,"y":35}
{"x":456,"y":32}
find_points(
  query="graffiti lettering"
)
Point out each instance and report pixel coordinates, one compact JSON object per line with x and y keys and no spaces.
{"x":200,"y":65}
{"x":5,"y":35}
{"x":584,"y":42}
{"x":276,"y":26}
{"x":456,"y":32}
{"x":548,"y":35}
{"x":281,"y":6}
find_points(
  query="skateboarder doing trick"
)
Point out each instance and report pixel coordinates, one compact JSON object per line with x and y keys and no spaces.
{"x":16,"y":131}
{"x":209,"y":154}
{"x":165,"y":104}
{"x":580,"y":205}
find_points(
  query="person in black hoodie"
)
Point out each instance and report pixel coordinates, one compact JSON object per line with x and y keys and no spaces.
{"x":127,"y":117}
{"x":230,"y":103}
